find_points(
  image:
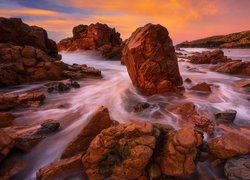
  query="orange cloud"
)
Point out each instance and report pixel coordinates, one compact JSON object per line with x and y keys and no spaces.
{"x":27,"y":11}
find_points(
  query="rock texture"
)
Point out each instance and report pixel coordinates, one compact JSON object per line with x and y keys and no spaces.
{"x":15,"y":32}
{"x":229,"y":145}
{"x":94,"y":37}
{"x":97,"y":122}
{"x":27,"y":64}
{"x":202,"y":87}
{"x":6,"y":144}
{"x":120,"y":152}
{"x":179,"y":153}
{"x":149,"y":56}
{"x":234,"y":40}
{"x":6,"y":119}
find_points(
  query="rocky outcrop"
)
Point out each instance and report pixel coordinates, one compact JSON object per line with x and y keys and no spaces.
{"x":6,"y":144}
{"x":235,"y":40}
{"x":149,"y":56}
{"x":238,"y":168}
{"x":97,"y":36}
{"x":208,"y":57}
{"x":190,"y":116}
{"x":27,"y":64}
{"x":14,"y":31}
{"x":235,"y":67}
{"x":229,"y":145}
{"x":97,"y":122}
{"x":120,"y":152}
{"x":180,"y":151}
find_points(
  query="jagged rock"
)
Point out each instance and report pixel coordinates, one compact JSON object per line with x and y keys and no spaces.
{"x":6,"y":144}
{"x":228,"y":116}
{"x":202,"y":87}
{"x":97,"y":122}
{"x":179,"y":153}
{"x":229,"y":145}
{"x":238,"y":168}
{"x":120,"y":152}
{"x":61,"y":169}
{"x":6,"y":119}
{"x":94,"y":37}
{"x":149,"y":56}
{"x":189,"y":116}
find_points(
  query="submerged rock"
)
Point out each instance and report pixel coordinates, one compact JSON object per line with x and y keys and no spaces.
{"x":228,"y":116}
{"x":238,"y":168}
{"x":229,"y":145}
{"x":149,"y":56}
{"x":140,"y":106}
{"x":97,"y":122}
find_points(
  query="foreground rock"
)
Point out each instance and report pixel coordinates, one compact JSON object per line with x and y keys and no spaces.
{"x":208,"y":57}
{"x":97,"y":36}
{"x":179,"y":153}
{"x":149,"y":56}
{"x":14,"y":31}
{"x":6,"y":144}
{"x":234,"y":67}
{"x":238,"y":168}
{"x":190,"y":117}
{"x":120,"y":152}
{"x":229,"y":145}
{"x":97,"y":122}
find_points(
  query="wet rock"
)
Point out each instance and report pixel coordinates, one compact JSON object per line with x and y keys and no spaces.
{"x":75,"y":84}
{"x":208,"y":57}
{"x":97,"y":36}
{"x":234,"y":67}
{"x":97,"y":122}
{"x":61,"y":86}
{"x":229,"y":145}
{"x":242,"y":84}
{"x":140,"y":106}
{"x":6,"y":144}
{"x":120,"y":152}
{"x":48,"y":127}
{"x":190,"y":116}
{"x":6,"y":119}
{"x":179,"y":153}
{"x":8,"y":101}
{"x":149,"y":56}
{"x":238,"y":168}
{"x":227,"y":116}
{"x":61,"y":168}
{"x":187,"y":80}
{"x":31,"y":99}
{"x":202,"y":87}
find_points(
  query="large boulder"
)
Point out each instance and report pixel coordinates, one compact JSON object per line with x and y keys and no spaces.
{"x":149,"y":56}
{"x":229,"y":145}
{"x":14,"y":31}
{"x":97,"y":122}
{"x":120,"y":152}
{"x":93,"y":37}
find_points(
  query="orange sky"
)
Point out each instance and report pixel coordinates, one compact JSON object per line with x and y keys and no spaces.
{"x":185,"y":19}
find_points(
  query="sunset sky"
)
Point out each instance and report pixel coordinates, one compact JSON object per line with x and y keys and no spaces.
{"x":185,"y":19}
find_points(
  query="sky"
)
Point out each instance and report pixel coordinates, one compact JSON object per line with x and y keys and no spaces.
{"x":184,"y":19}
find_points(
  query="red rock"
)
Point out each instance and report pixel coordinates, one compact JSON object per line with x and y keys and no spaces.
{"x":29,"y":52}
{"x":97,"y":122}
{"x":6,"y":119}
{"x":179,"y":153}
{"x":151,"y":61}
{"x":202,"y":87}
{"x":120,"y":152}
{"x":6,"y":144}
{"x":229,"y":145}
{"x":8,"y":101}
{"x":36,"y":95}
{"x":242,"y":84}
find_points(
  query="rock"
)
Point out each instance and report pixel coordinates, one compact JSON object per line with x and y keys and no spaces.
{"x":6,"y":119}
{"x":202,"y":87}
{"x":75,"y":84}
{"x":97,"y":122}
{"x":6,"y":144}
{"x":227,"y":116}
{"x":149,"y":56}
{"x":8,"y":101}
{"x":238,"y":168}
{"x":242,"y":84}
{"x":29,"y":52}
{"x":234,"y":67}
{"x":187,"y":80}
{"x":190,"y":116}
{"x":140,"y":106}
{"x":154,"y":171}
{"x":229,"y":145}
{"x":14,"y":31}
{"x":179,"y":153}
{"x":120,"y":152}
{"x":29,"y":62}
{"x":31,"y":97}
{"x":60,"y":169}
{"x":94,"y":37}
{"x":62,"y":87}
{"x":208,"y":57}
{"x":48,"y":127}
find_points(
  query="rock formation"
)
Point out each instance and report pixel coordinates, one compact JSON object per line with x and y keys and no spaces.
{"x":149,"y":56}
{"x":94,"y":37}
